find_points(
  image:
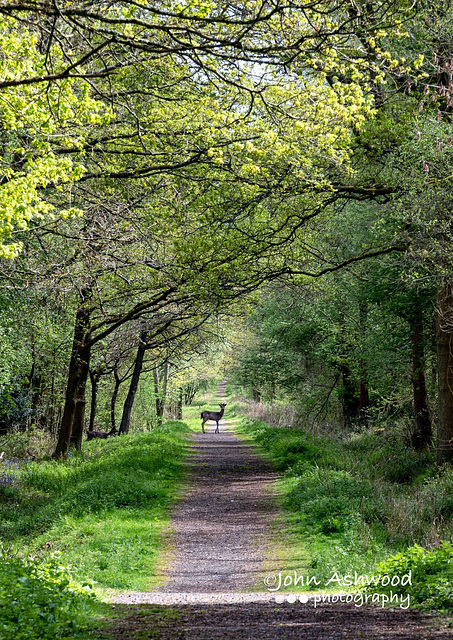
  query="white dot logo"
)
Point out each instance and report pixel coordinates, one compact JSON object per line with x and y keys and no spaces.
{"x":303,"y":598}
{"x":291,"y":599}
{"x":279,"y":599}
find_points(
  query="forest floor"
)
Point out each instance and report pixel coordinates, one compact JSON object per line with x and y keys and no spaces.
{"x":223,"y":544}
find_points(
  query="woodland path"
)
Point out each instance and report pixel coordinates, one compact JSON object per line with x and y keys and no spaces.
{"x":214,"y":590}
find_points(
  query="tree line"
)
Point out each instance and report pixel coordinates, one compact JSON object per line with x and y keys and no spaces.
{"x":162,"y":162}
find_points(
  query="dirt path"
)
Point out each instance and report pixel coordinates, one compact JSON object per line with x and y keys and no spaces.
{"x":222,"y":527}
{"x":223,"y":550}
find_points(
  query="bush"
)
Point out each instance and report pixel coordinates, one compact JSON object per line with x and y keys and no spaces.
{"x":41,"y":601}
{"x":29,"y":443}
{"x":432,"y":576}
{"x":288,"y":446}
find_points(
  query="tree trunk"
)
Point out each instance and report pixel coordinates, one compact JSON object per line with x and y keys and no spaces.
{"x":78,"y":425}
{"x":75,"y":387}
{"x":422,"y":436}
{"x":157,"y":391}
{"x":179,"y":415}
{"x":444,"y":339}
{"x":164,"y":388}
{"x":127,"y":409}
{"x":190,"y":391}
{"x":94,"y":378}
{"x":113,"y":399}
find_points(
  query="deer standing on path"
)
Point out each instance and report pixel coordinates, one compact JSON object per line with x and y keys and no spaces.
{"x":213,"y":415}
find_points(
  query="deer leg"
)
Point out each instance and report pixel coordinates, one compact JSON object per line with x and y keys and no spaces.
{"x":202,"y":426}
{"x":217,"y":427}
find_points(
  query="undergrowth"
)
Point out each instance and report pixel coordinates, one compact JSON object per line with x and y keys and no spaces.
{"x":430,"y":573}
{"x":41,"y":601}
{"x":354,"y":502}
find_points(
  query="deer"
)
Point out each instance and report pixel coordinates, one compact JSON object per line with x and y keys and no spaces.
{"x":101,"y":434}
{"x":213,"y":415}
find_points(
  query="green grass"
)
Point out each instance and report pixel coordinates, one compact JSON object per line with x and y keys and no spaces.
{"x":350,"y":504}
{"x":105,"y":511}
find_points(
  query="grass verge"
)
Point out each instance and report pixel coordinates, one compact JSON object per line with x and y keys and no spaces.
{"x":104,"y":510}
{"x":351,"y":504}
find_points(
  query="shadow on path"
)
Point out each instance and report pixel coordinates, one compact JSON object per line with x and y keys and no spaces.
{"x":267,"y":621}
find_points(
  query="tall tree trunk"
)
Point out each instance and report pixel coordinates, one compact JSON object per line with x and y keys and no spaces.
{"x":179,"y":405}
{"x":164,"y":388}
{"x":444,"y":339}
{"x":94,"y":378}
{"x":75,"y":387}
{"x":127,"y":409}
{"x":422,"y":436}
{"x":256,"y":395}
{"x":78,"y":425}
{"x":113,"y":399}
{"x":157,"y":390}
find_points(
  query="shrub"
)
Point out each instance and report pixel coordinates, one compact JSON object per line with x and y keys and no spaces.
{"x":431,"y":585}
{"x":40,"y":601}
{"x":328,"y":498}
{"x":29,"y":443}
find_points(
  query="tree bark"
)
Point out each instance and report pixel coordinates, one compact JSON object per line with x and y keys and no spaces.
{"x":422,"y":436}
{"x":127,"y":409}
{"x":78,"y":425}
{"x":164,"y":388}
{"x":444,"y":339}
{"x":94,"y":378}
{"x":179,"y":405}
{"x":76,"y":384}
{"x":157,"y":391}
{"x":113,"y":399}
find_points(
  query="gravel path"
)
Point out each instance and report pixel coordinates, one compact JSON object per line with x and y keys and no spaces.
{"x":222,"y":526}
{"x":223,"y":550}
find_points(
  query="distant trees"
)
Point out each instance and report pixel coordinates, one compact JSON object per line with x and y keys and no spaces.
{"x":354,"y":343}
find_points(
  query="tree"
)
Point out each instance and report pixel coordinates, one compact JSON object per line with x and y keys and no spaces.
{"x":35,"y":119}
{"x":217,"y":173}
